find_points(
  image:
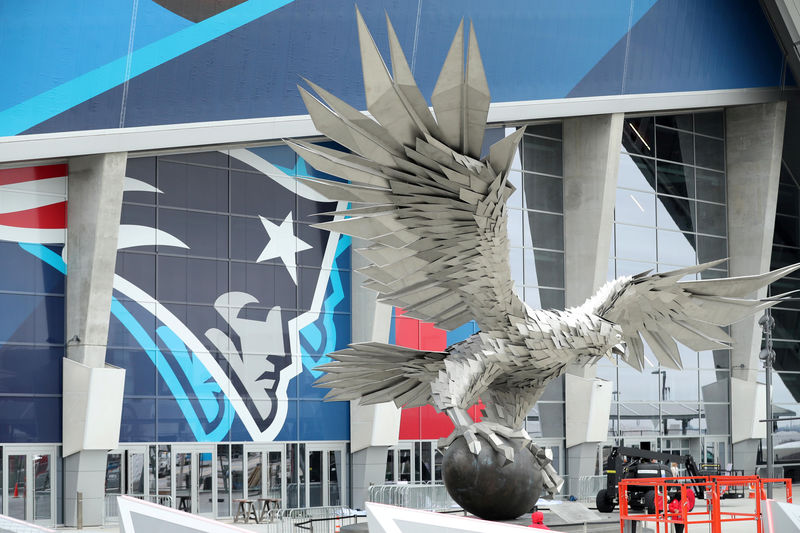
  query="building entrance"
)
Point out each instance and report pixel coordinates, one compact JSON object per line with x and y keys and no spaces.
{"x":29,"y":479}
{"x":194,"y":483}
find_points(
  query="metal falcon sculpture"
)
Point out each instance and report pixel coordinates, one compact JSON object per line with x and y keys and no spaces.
{"x":435,"y":214}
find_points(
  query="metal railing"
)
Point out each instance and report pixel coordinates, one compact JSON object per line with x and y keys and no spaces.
{"x":111,"y":511}
{"x":583,"y":488}
{"x":314,"y":519}
{"x":428,"y":496}
{"x":12,"y":525}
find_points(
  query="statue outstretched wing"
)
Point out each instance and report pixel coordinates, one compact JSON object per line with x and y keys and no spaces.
{"x":432,"y":209}
{"x":662,"y":309}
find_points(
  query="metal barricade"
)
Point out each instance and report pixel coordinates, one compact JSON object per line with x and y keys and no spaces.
{"x":583,"y":488}
{"x":111,"y":511}
{"x":428,"y":496}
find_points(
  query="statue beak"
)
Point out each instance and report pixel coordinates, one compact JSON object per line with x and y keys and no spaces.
{"x":619,"y":349}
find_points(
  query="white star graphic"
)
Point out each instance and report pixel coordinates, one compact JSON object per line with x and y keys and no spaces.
{"x":283,"y":243}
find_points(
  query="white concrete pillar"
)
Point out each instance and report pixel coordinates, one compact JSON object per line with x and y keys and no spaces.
{"x":93,"y":216}
{"x":591,"y":163}
{"x":373,"y":428}
{"x":753,"y":147}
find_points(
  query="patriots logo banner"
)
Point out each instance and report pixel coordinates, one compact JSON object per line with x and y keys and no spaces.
{"x":221,"y":285}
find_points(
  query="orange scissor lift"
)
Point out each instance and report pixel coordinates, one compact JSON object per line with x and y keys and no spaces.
{"x":713,"y":487}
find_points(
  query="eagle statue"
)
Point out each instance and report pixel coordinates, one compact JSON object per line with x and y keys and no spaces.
{"x":434,"y":212}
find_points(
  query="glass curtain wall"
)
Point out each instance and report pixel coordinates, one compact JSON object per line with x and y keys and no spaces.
{"x":671,"y":213}
{"x":786,"y":385}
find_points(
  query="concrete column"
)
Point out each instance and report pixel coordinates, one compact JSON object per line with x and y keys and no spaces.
{"x":373,"y":428}
{"x":93,"y":216}
{"x":591,"y":164}
{"x":754,"y":143}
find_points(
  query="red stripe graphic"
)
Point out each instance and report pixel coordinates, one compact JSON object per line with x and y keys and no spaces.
{"x":53,"y":216}
{"x":19,"y":175}
{"x":424,"y":423}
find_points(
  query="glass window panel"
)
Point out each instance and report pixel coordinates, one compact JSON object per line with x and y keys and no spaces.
{"x":637,"y":136}
{"x":544,"y":298}
{"x":711,"y":123}
{"x":237,"y":472}
{"x":17,"y":491}
{"x":517,"y":264}
{"x":714,"y":273}
{"x":515,"y":225}
{"x":638,"y":386}
{"x":114,"y":473}
{"x":674,"y":145}
{"x":720,"y":359}
{"x":710,"y":185}
{"x":254,"y":468}
{"x":404,"y":465}
{"x":136,"y":473}
{"x":680,"y":385}
{"x":711,"y":219}
{"x":681,"y":122}
{"x":787,"y":231}
{"x":223,"y":480}
{"x":631,"y":268}
{"x":192,"y":186}
{"x":554,"y":390}
{"x":541,"y":155}
{"x":711,"y":248}
{"x":715,"y":418}
{"x":546,"y":231}
{"x":547,"y":130}
{"x":634,"y":207}
{"x":335,"y":467}
{"x":515,"y":200}
{"x":42,"y":500}
{"x":274,"y":475}
{"x":544,"y":268}
{"x":709,"y":153}
{"x":437,"y":464}
{"x":782,"y":256}
{"x":638,"y":244}
{"x":183,"y":481}
{"x":545,"y":193}
{"x":164,"y":486}
{"x":677,"y":214}
{"x":788,"y":199}
{"x":637,"y":173}
{"x":714,"y":386}
{"x":551,"y":418}
{"x":389,"y":477}
{"x":315,"y":478}
{"x":205,"y":476}
{"x":675,"y":248}
{"x":676,"y":180}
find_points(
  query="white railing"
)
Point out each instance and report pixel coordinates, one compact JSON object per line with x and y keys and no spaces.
{"x":12,"y":525}
{"x":111,"y":511}
{"x":311,"y":519}
{"x":429,"y":496}
{"x":583,"y":488}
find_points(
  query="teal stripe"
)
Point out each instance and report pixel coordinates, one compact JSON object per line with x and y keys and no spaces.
{"x":33,"y":111}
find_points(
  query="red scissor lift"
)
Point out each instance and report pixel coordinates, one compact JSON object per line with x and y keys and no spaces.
{"x":713,"y":487}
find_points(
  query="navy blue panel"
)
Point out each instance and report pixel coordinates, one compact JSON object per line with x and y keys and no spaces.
{"x":686,"y":45}
{"x":289,"y":431}
{"x":140,"y":372}
{"x":119,"y":336}
{"x":30,"y":369}
{"x":24,"y":272}
{"x":30,"y":419}
{"x":172,"y":424}
{"x":324,"y":420}
{"x":31,"y":319}
{"x":138,"y":420}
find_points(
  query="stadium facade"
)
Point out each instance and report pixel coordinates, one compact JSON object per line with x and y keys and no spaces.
{"x":165,"y":299}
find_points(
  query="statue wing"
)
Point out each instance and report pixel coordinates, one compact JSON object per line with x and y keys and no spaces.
{"x":432,"y":210}
{"x":662,"y":309}
{"x":375,"y":373}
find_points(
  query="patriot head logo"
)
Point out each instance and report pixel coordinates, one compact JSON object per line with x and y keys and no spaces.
{"x":246,"y":290}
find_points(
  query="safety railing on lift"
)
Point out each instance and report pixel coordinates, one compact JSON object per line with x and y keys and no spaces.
{"x":667,"y":491}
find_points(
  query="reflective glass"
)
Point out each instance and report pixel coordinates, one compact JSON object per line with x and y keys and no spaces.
{"x":678,"y":214}
{"x":546,"y":231}
{"x":335,"y":467}
{"x":710,"y":185}
{"x":223,"y":480}
{"x":674,"y":145}
{"x":635,"y":207}
{"x":552,"y":130}
{"x":17,"y":490}
{"x":675,"y":248}
{"x":631,"y":268}
{"x":638,"y":244}
{"x":183,"y":481}
{"x":42,"y":498}
{"x":515,"y":200}
{"x":681,"y":122}
{"x":254,"y":479}
{"x":711,"y":123}
{"x":544,"y":193}
{"x":274,"y":475}
{"x":637,"y":136}
{"x":711,"y":248}
{"x":544,"y":268}
{"x":787,"y":231}
{"x":709,"y":153}
{"x":637,"y":173}
{"x":676,"y":180}
{"x":711,"y":219}
{"x":205,"y":478}
{"x":541,"y":155}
